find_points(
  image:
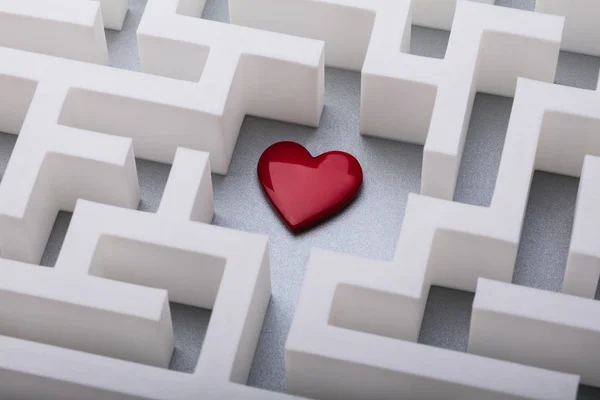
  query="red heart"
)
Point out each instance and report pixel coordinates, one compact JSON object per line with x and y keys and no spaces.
{"x":304,"y":189}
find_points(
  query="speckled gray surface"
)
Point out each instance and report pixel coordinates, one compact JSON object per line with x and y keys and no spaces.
{"x":371,"y":225}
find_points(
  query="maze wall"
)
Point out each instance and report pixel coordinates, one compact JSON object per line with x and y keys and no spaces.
{"x":98,"y":325}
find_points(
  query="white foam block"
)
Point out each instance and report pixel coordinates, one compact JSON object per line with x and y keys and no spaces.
{"x":320,"y":350}
{"x":412,"y":98}
{"x":85,"y":313}
{"x":581,"y":26}
{"x":243,"y":69}
{"x":113,"y":13}
{"x":583,"y":265}
{"x":85,"y":376}
{"x":437,"y":14}
{"x":313,"y":19}
{"x":65,"y":28}
{"x":189,"y":192}
{"x":537,"y":327}
{"x":346,"y":299}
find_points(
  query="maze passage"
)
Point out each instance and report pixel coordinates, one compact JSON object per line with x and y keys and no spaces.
{"x":174,"y":249}
{"x":79,"y":125}
{"x":552,"y":128}
{"x":57,"y":106}
{"x":489,"y":48}
{"x":437,"y":14}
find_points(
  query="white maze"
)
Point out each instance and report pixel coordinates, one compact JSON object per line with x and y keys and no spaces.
{"x":62,"y":111}
{"x":96,"y":314}
{"x":489,"y":48}
{"x":552,"y":128}
{"x":355,"y":327}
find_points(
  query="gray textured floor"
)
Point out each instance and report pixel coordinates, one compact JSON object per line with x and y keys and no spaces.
{"x":371,"y":225}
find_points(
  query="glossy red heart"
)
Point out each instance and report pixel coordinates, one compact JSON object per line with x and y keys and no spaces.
{"x":304,"y":189}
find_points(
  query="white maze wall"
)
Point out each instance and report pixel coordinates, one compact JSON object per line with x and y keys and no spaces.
{"x":353,"y":336}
